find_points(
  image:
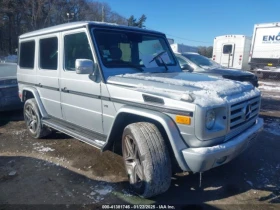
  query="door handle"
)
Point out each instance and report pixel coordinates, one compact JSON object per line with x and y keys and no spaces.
{"x":65,"y":89}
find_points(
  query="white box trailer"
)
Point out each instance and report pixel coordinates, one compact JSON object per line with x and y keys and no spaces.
{"x":180,"y":48}
{"x":265,"y":47}
{"x":232,"y":51}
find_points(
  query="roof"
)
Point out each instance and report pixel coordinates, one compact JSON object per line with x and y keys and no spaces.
{"x":232,"y":36}
{"x":267,"y":24}
{"x":80,"y":24}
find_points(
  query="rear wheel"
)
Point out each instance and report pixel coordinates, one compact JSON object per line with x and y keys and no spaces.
{"x":146,"y":159}
{"x":33,"y":120}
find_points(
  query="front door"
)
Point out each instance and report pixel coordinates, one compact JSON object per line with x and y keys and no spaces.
{"x":227,"y":55}
{"x":80,"y":95}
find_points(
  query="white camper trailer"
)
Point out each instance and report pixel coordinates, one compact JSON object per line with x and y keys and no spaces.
{"x":180,"y":48}
{"x":232,"y":51}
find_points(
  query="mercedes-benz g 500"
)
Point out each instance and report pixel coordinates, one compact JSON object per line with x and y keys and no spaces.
{"x":121,"y":88}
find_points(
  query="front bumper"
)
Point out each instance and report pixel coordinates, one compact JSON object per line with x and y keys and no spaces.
{"x":205,"y":158}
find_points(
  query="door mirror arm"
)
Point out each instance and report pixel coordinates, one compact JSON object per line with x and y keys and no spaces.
{"x":186,"y":67}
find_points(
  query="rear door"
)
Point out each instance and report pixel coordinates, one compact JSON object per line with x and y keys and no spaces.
{"x":48,"y":74}
{"x":227,"y":55}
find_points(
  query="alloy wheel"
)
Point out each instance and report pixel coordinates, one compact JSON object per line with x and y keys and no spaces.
{"x":133,"y":163}
{"x":31,"y":119}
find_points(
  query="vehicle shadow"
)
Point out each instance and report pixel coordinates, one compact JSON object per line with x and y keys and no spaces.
{"x":57,"y":136}
{"x":6,"y":117}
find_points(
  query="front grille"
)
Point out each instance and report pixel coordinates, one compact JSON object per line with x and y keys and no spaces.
{"x":238,"y":130}
{"x":240,"y":120}
{"x":242,"y":112}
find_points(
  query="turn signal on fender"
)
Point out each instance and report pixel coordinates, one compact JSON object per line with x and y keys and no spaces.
{"x":183,"y":120}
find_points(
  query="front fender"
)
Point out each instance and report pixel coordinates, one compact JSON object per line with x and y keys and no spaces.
{"x":167,"y":123}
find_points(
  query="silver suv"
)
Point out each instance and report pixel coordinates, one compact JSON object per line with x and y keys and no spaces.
{"x":121,"y":88}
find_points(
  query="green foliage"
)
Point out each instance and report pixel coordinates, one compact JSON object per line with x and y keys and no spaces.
{"x":205,"y":51}
{"x":131,"y":21}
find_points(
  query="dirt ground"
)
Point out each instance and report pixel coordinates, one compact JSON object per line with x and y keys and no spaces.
{"x":62,"y":170}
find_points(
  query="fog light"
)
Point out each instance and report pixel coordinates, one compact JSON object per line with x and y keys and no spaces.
{"x":221,"y":160}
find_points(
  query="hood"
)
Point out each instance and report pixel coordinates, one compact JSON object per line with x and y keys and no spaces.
{"x":202,"y":89}
{"x":230,"y":72}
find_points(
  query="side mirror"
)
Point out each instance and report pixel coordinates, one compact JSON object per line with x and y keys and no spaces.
{"x":84,"y":66}
{"x":187,"y":67}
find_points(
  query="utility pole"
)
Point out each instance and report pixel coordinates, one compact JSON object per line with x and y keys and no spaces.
{"x":69,"y":16}
{"x":103,"y":13}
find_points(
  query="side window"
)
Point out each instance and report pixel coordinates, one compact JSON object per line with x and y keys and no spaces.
{"x":48,"y":53}
{"x":227,"y":49}
{"x":27,"y":53}
{"x":76,"y":46}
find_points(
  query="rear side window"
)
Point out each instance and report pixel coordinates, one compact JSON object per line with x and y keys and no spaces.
{"x":48,"y":53}
{"x":227,"y":49}
{"x":27,"y":53}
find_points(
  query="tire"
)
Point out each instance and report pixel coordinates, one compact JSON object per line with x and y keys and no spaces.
{"x":33,"y":120}
{"x":146,"y":159}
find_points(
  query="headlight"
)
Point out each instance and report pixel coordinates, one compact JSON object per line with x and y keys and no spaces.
{"x":210,"y":119}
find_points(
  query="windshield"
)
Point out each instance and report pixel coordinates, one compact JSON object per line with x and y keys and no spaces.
{"x":202,"y":61}
{"x":126,"y":49}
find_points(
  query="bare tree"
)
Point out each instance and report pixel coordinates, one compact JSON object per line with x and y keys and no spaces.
{"x":21,"y":16}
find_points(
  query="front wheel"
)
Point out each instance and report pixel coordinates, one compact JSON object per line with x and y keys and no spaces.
{"x":146,"y":159}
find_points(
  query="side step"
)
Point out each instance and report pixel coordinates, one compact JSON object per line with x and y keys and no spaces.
{"x":89,"y":137}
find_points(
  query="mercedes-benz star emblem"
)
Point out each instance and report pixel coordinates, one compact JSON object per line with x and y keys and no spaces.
{"x":248,"y":111}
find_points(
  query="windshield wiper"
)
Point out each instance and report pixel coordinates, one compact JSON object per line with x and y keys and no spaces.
{"x":156,"y":56}
{"x":159,"y":56}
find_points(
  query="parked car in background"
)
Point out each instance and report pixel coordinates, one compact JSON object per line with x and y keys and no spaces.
{"x":8,"y":59}
{"x":194,"y":62}
{"x":9,"y":99}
